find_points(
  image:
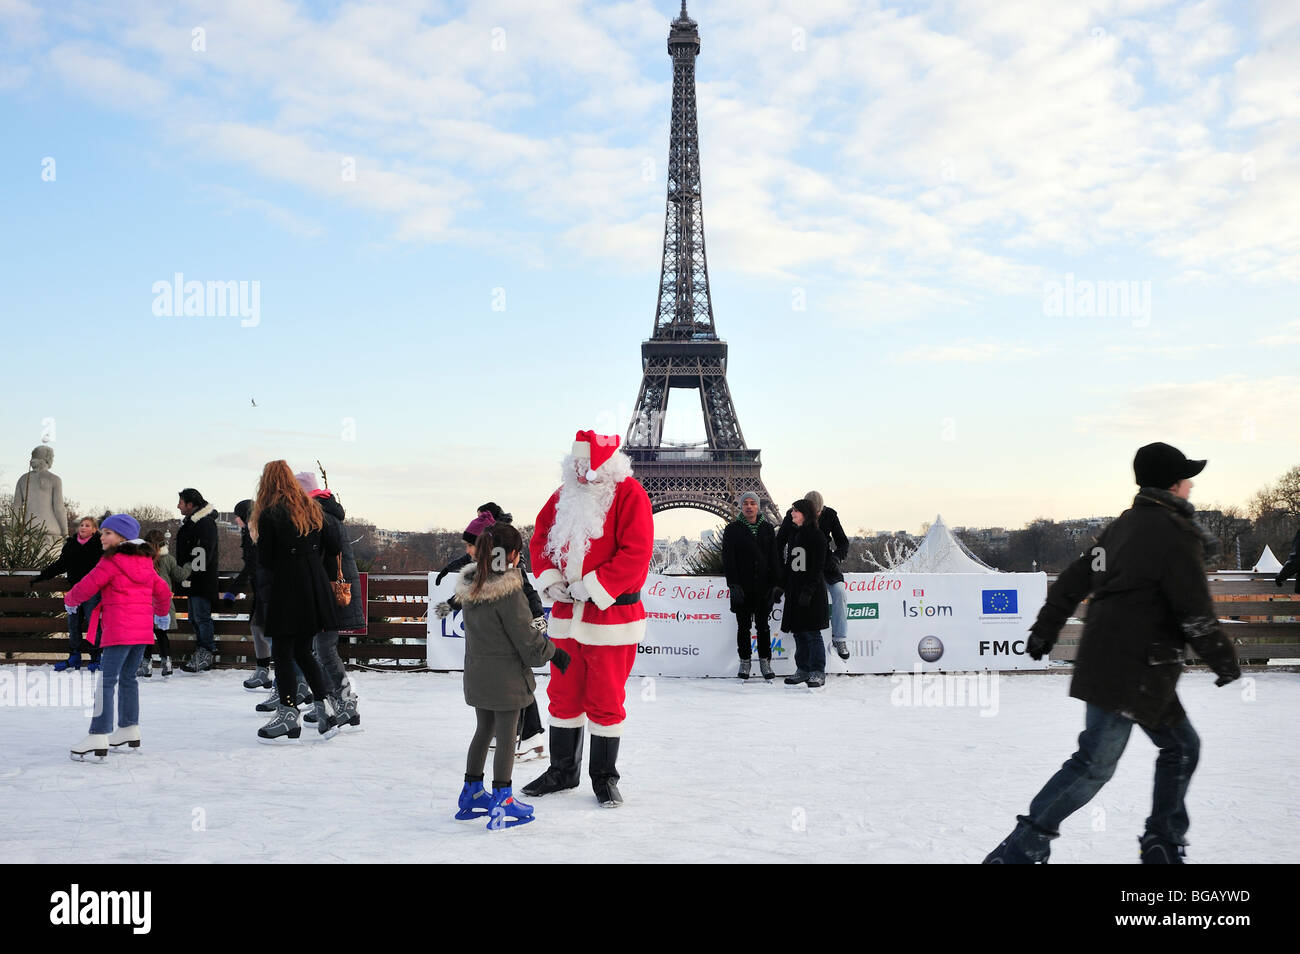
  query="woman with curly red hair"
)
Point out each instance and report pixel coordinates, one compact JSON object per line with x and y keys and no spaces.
{"x":292,"y":540}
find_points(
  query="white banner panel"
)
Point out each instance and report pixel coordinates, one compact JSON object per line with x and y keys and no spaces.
{"x":932,"y":621}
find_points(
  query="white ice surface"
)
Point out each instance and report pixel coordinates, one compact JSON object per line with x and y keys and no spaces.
{"x":713,"y":770}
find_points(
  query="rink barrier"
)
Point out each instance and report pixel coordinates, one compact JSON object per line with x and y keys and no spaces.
{"x":1263,"y":620}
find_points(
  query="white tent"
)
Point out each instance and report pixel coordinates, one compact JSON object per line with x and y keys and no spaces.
{"x":941,"y":552}
{"x":1267,"y":563}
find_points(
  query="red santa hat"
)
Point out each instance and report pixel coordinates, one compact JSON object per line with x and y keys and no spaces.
{"x":597,"y":448}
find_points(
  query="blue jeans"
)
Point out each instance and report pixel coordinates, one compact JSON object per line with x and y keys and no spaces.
{"x":809,"y":652}
{"x":1101,"y":744}
{"x":839,"y":610}
{"x":79,"y":624}
{"x":119,"y":664}
{"x":201,"y":621}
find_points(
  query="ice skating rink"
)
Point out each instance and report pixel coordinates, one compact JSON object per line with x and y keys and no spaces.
{"x":713,"y":770}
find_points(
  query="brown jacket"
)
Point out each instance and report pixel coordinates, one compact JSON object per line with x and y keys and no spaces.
{"x":501,"y":646}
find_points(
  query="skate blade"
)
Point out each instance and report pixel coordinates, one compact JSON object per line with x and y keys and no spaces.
{"x":100,"y":756}
{"x":530,"y":755}
{"x":501,"y":823}
{"x":349,"y":729}
{"x":472,"y":814}
{"x":257,"y":689}
{"x":280,"y":740}
{"x":125,"y":748}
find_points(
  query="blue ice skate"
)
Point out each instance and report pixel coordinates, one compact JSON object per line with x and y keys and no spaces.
{"x":507,"y":812}
{"x":475,"y":802}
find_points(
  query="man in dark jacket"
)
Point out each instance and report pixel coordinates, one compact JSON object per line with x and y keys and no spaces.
{"x":752,"y":568}
{"x":1292,"y":565}
{"x":196,"y":546}
{"x":837,"y":549}
{"x":1149,"y":600}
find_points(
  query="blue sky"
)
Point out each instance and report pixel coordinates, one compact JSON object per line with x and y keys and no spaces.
{"x":434,"y":328}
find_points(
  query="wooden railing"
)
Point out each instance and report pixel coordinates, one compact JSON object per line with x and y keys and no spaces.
{"x":33,"y":627}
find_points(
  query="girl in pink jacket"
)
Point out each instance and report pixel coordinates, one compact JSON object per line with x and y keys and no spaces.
{"x":134,"y":600}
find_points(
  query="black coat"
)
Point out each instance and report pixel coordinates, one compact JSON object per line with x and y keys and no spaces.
{"x":1292,"y":565}
{"x":1146,"y":577}
{"x":806,"y":606}
{"x":352,"y":616}
{"x":76,"y":560}
{"x":751,"y":562}
{"x":198,"y":531}
{"x":837,"y":541}
{"x":300,"y":600}
{"x":252,"y":575}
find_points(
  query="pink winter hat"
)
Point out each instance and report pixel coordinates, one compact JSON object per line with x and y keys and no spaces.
{"x":477,"y":526}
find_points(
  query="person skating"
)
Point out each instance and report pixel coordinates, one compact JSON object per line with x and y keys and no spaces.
{"x":502,"y":648}
{"x":806,"y":612}
{"x":80,"y":553}
{"x":1149,"y":600}
{"x":591,"y":549}
{"x":251,"y":578}
{"x":197,"y":548}
{"x":1292,"y":565}
{"x":293,"y":541}
{"x":837,"y":550}
{"x":752,"y":566}
{"x":531,"y":740}
{"x":134,"y":600}
{"x":173,"y":574}
{"x":343,"y":567}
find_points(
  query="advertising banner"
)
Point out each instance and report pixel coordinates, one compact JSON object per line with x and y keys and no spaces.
{"x":896,"y":622}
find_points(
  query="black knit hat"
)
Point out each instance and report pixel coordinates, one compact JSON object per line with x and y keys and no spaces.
{"x":1160,"y":465}
{"x":499,"y":515}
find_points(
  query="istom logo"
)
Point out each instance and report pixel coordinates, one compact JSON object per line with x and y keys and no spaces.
{"x":102,"y":907}
{"x":922,"y":608}
{"x":864,"y":611}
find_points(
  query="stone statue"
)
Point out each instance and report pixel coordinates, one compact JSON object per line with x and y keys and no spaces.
{"x":41,"y":493}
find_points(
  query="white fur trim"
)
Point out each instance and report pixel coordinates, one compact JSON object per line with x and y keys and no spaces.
{"x":577,"y":722}
{"x":548,"y":577}
{"x":599,"y":595}
{"x":591,"y":634}
{"x":614,"y":731}
{"x":198,"y":515}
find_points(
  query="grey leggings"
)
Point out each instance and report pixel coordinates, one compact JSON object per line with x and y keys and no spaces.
{"x":327,"y":651}
{"x":499,"y":724}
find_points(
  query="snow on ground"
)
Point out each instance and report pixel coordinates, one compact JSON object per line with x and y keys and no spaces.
{"x":713,"y":770}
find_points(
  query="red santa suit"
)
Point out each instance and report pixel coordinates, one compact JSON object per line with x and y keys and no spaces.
{"x":600,"y":535}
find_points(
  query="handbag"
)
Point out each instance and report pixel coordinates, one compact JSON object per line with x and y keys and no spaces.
{"x":342,"y":589}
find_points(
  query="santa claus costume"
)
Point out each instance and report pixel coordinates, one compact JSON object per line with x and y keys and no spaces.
{"x":590,"y":550}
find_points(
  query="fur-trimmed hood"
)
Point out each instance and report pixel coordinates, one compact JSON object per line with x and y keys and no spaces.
{"x":199,"y":514}
{"x":496,"y":587}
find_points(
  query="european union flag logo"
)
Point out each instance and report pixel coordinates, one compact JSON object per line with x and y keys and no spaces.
{"x":1000,"y":601}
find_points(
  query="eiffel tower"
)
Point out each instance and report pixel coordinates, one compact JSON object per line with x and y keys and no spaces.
{"x":684,"y":350}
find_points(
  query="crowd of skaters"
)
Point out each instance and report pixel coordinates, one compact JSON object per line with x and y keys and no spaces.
{"x":590,"y":550}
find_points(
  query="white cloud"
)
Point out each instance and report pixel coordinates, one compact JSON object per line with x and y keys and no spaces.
{"x":1234,"y":408}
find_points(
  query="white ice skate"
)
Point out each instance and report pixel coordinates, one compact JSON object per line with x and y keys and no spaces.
{"x":96,"y":745}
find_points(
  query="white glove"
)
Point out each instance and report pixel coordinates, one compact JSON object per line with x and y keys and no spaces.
{"x":539,"y":624}
{"x":558,"y":592}
{"x":442,"y":610}
{"x":69,"y":609}
{"x":161,"y":622}
{"x":578,"y":590}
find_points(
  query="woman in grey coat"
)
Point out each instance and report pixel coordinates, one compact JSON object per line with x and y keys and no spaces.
{"x":501,"y":650}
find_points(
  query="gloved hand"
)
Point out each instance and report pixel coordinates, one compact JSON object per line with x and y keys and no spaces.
{"x":69,"y":609}
{"x":558,"y":592}
{"x":578,"y":591}
{"x":228,"y":597}
{"x":442,"y":610}
{"x":539,"y":624}
{"x":1231,"y":675}
{"x":1037,"y":645}
{"x":1281,"y":578}
{"x":161,"y":622}
{"x":561,"y":659}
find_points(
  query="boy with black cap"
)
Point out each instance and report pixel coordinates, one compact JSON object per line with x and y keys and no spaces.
{"x":1149,"y":598}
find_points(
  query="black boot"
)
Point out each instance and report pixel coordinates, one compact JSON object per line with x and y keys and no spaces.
{"x":1160,"y":851}
{"x":566,"y":763}
{"x":604,"y":773}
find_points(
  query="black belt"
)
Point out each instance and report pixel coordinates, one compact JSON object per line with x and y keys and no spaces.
{"x":627,"y":599}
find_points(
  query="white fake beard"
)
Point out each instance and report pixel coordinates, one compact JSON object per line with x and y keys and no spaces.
{"x":580,"y":512}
